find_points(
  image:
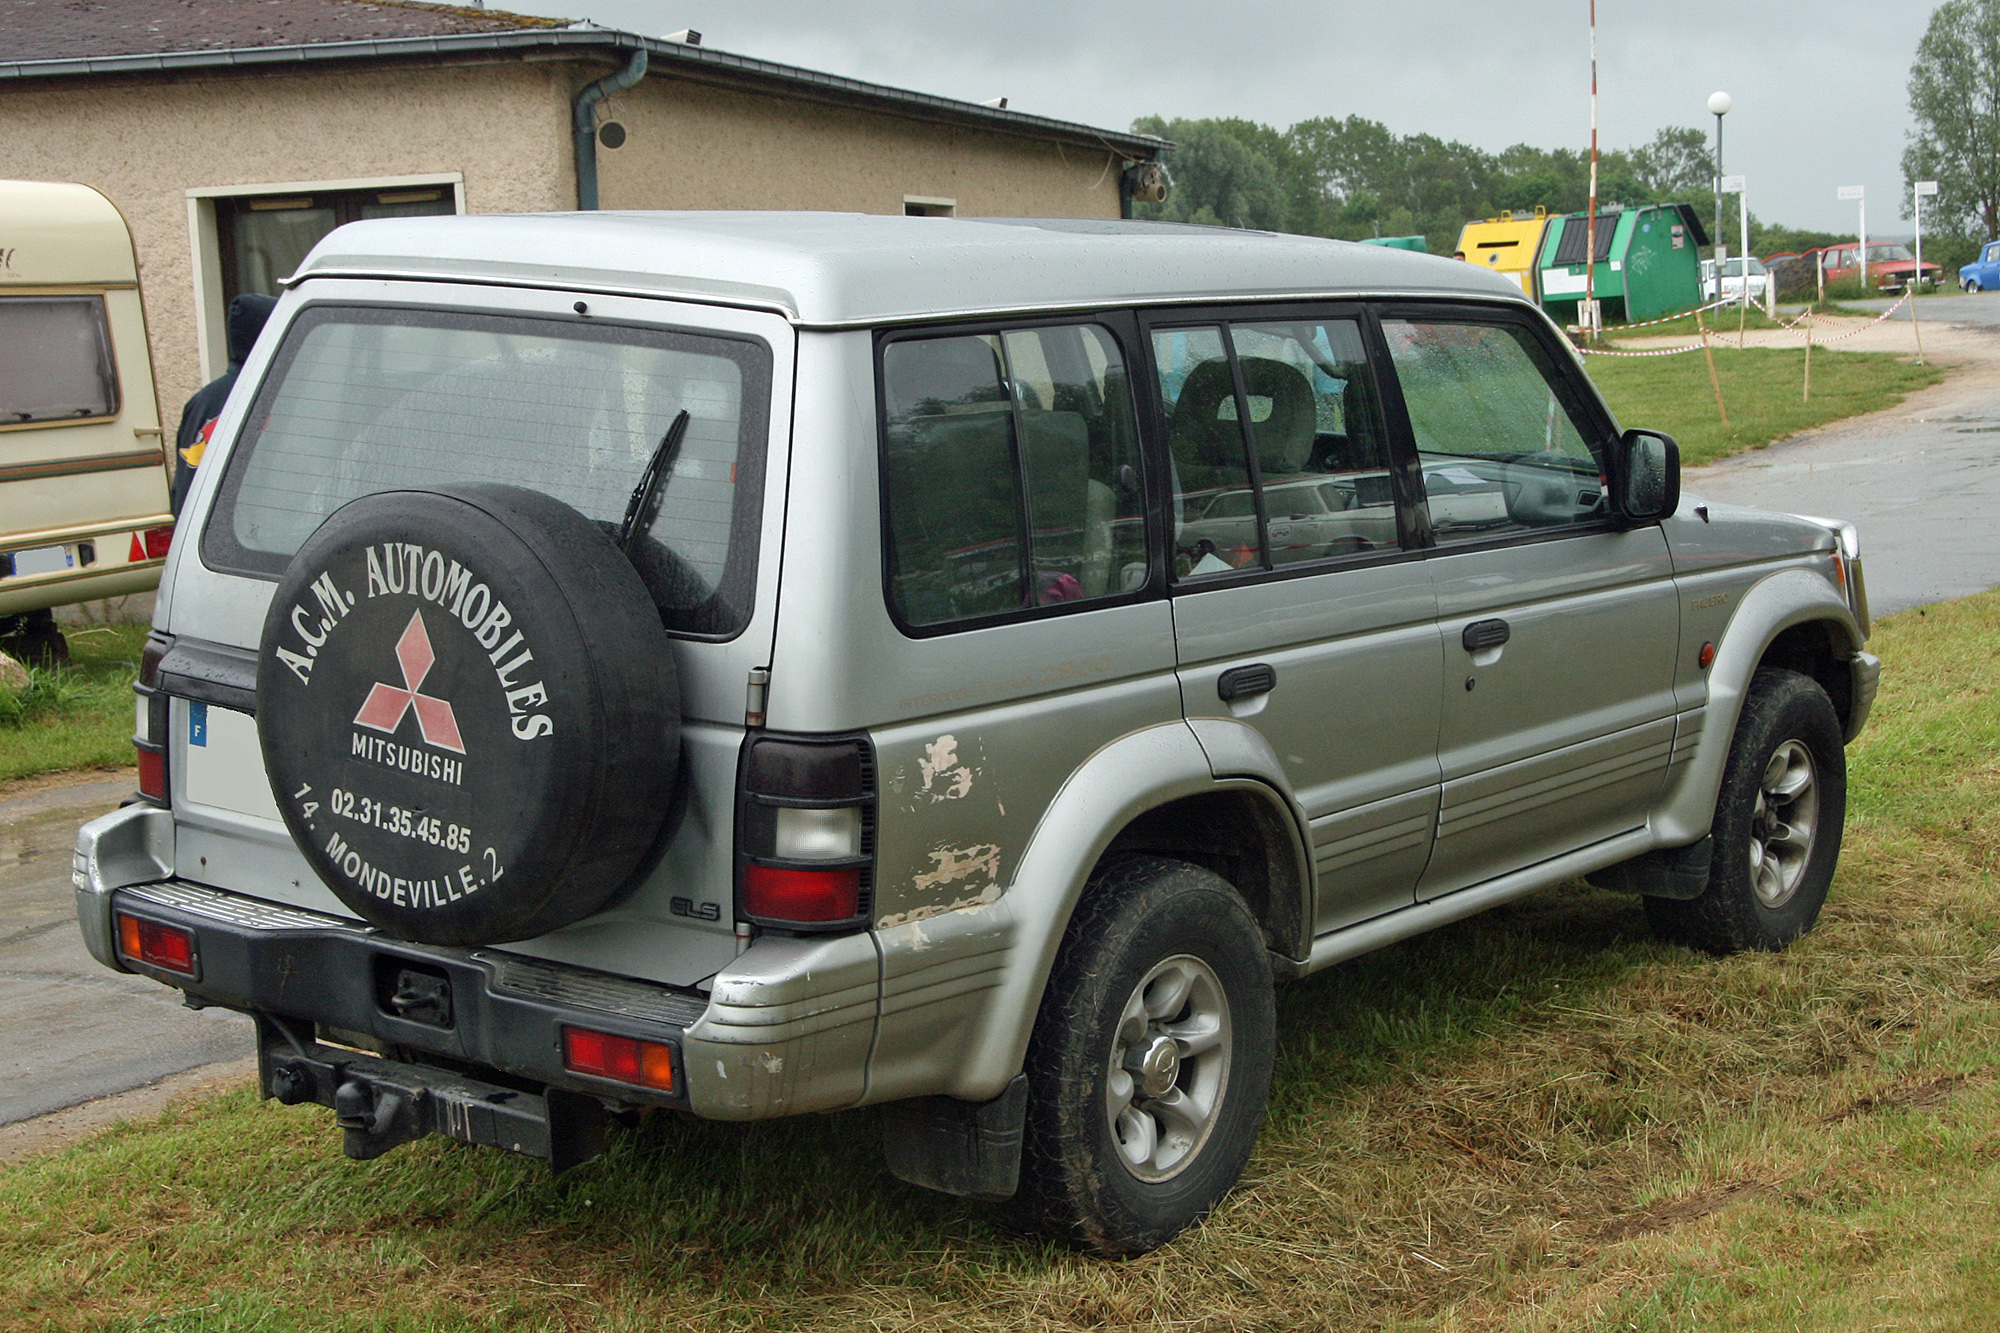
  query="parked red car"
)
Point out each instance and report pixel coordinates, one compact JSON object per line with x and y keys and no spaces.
{"x":1890,"y":265}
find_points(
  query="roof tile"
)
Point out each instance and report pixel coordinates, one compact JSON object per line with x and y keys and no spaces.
{"x":67,"y":29}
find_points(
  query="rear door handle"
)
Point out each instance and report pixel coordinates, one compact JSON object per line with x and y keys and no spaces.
{"x":1244,"y":681}
{"x":1483,"y":634}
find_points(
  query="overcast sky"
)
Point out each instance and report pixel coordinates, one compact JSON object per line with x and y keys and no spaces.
{"x":1819,"y":87}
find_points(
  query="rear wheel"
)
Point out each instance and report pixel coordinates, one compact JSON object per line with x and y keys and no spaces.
{"x":1151,"y":1059}
{"x":1777,"y":824}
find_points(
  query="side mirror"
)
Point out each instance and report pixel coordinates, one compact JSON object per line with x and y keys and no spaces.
{"x":1645,"y":475}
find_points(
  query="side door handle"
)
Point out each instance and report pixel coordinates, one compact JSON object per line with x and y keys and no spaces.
{"x":1483,"y":634}
{"x":1244,"y":681}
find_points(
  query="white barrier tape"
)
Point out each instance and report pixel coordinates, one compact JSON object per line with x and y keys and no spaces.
{"x":1716,"y":338}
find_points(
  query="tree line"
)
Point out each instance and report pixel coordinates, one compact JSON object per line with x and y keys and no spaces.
{"x":1355,"y":178}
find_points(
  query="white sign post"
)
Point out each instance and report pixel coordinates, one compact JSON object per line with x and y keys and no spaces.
{"x":1860,"y":196}
{"x":1922,"y":189}
{"x":1734,"y":185}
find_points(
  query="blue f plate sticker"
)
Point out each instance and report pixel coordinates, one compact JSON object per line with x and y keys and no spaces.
{"x":198,"y":725}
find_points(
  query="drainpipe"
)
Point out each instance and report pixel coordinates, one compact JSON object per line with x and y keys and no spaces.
{"x":583,"y":124}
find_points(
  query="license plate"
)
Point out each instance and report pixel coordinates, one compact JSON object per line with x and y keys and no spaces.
{"x":44,"y":560}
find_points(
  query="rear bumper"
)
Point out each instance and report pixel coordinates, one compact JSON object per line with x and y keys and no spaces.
{"x":787,"y":1028}
{"x":340,"y":979}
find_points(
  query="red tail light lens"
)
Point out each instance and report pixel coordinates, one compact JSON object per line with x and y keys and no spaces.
{"x":158,"y":542}
{"x":782,"y":894}
{"x":166,"y":947}
{"x":645,"y":1064}
{"x":153,"y":774}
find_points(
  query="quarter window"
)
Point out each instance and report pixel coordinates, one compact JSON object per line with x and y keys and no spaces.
{"x":1500,"y":450}
{"x":1011,"y":473}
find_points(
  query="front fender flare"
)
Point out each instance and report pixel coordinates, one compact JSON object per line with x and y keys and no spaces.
{"x":1769,"y":608}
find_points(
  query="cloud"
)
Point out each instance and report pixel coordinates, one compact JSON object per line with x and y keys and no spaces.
{"x":1819,"y":87}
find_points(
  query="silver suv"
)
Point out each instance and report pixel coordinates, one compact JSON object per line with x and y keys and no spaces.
{"x":753,"y":664}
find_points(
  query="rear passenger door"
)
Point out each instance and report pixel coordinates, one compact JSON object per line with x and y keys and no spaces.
{"x":1560,"y":626}
{"x":1301,"y":606}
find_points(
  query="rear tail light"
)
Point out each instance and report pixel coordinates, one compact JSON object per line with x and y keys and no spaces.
{"x":169,"y":948}
{"x":644,"y":1064}
{"x":158,"y":542}
{"x":149,"y":736}
{"x":806,"y":832}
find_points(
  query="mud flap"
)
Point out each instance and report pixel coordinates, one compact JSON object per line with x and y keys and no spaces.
{"x":1672,"y":872}
{"x":972,"y":1149}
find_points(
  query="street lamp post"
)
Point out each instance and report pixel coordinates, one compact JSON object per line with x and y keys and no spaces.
{"x":1718,"y":106}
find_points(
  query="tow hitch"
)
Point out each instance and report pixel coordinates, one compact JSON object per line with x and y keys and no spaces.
{"x":380,"y":1103}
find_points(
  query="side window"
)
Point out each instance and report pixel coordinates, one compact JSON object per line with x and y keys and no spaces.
{"x":1500,"y":451}
{"x":58,"y":365}
{"x":1302,"y":474}
{"x":1011,"y":473}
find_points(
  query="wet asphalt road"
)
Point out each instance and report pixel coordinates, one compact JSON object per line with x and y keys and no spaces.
{"x":1924,"y":488}
{"x":75,"y":1030}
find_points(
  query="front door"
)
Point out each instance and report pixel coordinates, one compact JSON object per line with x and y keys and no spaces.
{"x":1559,"y":626}
{"x":1300,"y":608}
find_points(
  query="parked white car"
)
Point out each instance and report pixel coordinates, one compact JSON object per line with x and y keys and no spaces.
{"x":1732,"y":279}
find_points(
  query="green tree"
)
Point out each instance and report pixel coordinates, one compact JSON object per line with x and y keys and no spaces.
{"x":1955,"y":104}
{"x":1222,"y":174}
{"x":1677,"y":167}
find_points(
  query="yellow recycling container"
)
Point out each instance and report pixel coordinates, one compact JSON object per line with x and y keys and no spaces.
{"x":1506,"y":244}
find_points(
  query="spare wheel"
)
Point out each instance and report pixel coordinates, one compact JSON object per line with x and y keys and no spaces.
{"x":469,"y":713}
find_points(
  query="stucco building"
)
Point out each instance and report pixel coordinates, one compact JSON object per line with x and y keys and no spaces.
{"x":234,"y":133}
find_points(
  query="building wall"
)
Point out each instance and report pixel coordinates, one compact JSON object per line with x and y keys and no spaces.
{"x":504,"y":126}
{"x":697,"y":145}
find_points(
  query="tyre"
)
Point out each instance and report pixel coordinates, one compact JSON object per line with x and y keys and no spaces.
{"x":1971,"y":286}
{"x":1151,"y":1059}
{"x":469,"y":713}
{"x":1777,"y":825}
{"x":34,"y":639}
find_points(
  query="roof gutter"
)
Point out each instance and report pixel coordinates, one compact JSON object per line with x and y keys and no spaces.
{"x":583,"y":124}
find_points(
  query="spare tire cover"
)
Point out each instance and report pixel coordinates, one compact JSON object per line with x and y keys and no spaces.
{"x":469,"y":712}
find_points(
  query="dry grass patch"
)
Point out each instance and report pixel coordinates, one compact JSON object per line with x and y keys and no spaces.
{"x":1535,"y":1120}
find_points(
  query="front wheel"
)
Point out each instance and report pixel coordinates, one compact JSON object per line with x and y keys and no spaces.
{"x":1777,"y":824}
{"x":1151,"y":1059}
{"x":1971,"y":286}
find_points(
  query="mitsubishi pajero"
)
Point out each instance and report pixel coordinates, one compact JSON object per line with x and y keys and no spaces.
{"x":758,"y":664}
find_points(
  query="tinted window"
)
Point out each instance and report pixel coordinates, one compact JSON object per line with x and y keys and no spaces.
{"x":366,"y":400}
{"x":1011,"y":473}
{"x":1313,"y":431}
{"x":1500,"y":450}
{"x":58,"y":363}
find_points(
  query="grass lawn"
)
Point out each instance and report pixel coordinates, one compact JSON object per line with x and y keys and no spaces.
{"x":1535,"y":1120}
{"x":1761,"y":386}
{"x":78,"y":716}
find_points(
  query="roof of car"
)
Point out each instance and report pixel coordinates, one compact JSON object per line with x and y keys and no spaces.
{"x":846,"y":269}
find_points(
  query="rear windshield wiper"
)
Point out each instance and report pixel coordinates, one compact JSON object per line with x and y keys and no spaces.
{"x":650,"y":481}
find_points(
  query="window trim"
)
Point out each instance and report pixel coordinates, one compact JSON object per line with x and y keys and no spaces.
{"x":211,"y":311}
{"x":1118,"y":323}
{"x":1412,"y":517}
{"x":1589,"y":406}
{"x":756,"y":425}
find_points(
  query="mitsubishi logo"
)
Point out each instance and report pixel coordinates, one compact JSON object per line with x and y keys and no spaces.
{"x":386,"y":705}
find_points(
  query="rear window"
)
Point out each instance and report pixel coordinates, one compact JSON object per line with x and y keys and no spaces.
{"x":58,"y":364}
{"x":360,"y":400}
